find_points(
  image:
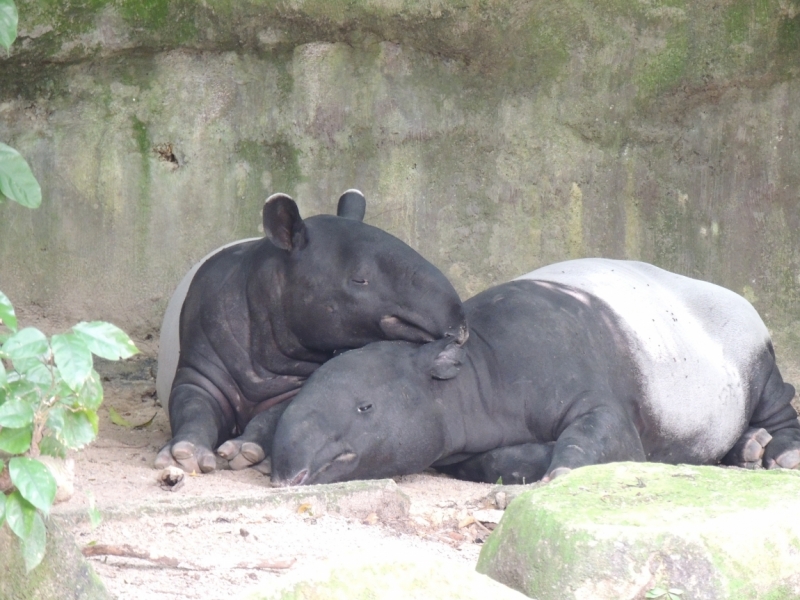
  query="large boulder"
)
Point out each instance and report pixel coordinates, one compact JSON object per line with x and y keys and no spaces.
{"x":617,"y":531}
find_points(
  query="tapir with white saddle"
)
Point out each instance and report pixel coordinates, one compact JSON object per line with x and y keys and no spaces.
{"x":577,"y":363}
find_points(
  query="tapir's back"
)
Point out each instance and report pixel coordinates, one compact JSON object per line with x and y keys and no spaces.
{"x":699,"y":347}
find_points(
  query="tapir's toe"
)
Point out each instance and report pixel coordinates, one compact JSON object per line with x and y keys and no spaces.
{"x":190,"y":458}
{"x":241,"y":455}
{"x":784,"y":449}
{"x":253,"y":452}
{"x":749,"y":449}
{"x":229,"y":449}
{"x":164,"y":458}
{"x":789,"y":459}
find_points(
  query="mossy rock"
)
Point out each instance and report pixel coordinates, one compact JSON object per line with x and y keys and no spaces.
{"x":617,"y":531}
{"x":402,"y":579}
{"x":63,"y":573}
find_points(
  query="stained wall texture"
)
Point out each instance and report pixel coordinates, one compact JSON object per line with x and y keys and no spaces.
{"x":494,"y":136}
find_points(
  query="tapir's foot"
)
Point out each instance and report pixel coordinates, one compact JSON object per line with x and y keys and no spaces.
{"x":190,"y":457}
{"x":242,"y":454}
{"x":784,"y":449}
{"x":557,"y":472}
{"x":748,"y":451}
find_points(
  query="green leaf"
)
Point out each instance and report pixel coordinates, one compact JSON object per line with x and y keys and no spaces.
{"x":15,"y":440}
{"x":77,"y":428}
{"x":118,"y":419}
{"x":33,"y":546}
{"x":656,"y":593}
{"x":19,"y":514}
{"x":106,"y":340}
{"x":16,"y":413}
{"x":8,"y":23}
{"x":26,"y":343}
{"x":73,"y":359}
{"x":24,"y":390}
{"x":34,"y":371}
{"x":16,"y":178}
{"x":3,"y":376}
{"x":52,"y":447}
{"x":34,"y":481}
{"x":90,"y":395}
{"x":2,"y":503}
{"x":7,"y":315}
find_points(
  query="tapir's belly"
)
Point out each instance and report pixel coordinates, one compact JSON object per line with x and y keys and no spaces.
{"x":695,"y":345}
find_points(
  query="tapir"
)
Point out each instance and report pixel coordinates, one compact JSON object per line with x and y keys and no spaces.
{"x":578,"y":363}
{"x":252,"y":320}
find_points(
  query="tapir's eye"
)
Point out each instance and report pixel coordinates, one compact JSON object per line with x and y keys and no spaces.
{"x":360,"y":281}
{"x":364,"y":408}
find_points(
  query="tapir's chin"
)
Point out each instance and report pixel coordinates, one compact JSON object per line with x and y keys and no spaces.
{"x":459,"y":335}
{"x":398,"y":328}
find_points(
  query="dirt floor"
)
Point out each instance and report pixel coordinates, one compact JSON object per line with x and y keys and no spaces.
{"x":222,"y":534}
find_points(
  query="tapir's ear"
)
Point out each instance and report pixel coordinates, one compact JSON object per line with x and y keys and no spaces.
{"x":352,"y":205}
{"x":443,"y":358}
{"x":282,"y":222}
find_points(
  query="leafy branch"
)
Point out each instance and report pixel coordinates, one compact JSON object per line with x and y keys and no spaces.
{"x":48,"y":404}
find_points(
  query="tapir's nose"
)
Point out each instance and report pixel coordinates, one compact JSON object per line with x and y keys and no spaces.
{"x":298,"y":479}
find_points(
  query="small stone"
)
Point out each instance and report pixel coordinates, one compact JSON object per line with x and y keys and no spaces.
{"x":171,"y":479}
{"x":488,"y":515}
{"x":500,"y":500}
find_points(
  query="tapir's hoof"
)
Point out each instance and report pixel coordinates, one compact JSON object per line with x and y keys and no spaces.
{"x":187,"y":456}
{"x":749,"y":449}
{"x":557,"y":472}
{"x":241,"y":455}
{"x":790,"y":459}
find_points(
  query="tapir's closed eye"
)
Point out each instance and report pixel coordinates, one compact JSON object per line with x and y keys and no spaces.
{"x":360,"y":281}
{"x":365,"y":408}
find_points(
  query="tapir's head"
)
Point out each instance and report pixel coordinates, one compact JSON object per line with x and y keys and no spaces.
{"x":347,"y":284}
{"x":368,"y":413}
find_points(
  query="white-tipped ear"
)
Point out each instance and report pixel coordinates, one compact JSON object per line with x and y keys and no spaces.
{"x":282,"y":222}
{"x":352,"y":205}
{"x":447,"y":363}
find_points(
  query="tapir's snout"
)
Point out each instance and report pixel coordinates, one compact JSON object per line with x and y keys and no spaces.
{"x":298,"y":479}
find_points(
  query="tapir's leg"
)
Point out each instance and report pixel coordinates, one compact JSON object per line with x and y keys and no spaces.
{"x":602,"y":435}
{"x":775,"y":414}
{"x":198,"y":424}
{"x":520,"y":464}
{"x":252,"y":447}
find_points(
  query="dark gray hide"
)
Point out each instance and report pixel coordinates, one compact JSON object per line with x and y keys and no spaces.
{"x":583,"y":362}
{"x":261,"y":315}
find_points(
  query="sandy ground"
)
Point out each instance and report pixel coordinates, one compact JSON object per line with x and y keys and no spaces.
{"x":225,"y":533}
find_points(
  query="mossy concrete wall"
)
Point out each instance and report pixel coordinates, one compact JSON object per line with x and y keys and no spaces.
{"x":494,"y":136}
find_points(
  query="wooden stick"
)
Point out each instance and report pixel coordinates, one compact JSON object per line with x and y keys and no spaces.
{"x":126,"y":551}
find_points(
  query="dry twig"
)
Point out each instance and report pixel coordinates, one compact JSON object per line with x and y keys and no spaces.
{"x":126,"y":551}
